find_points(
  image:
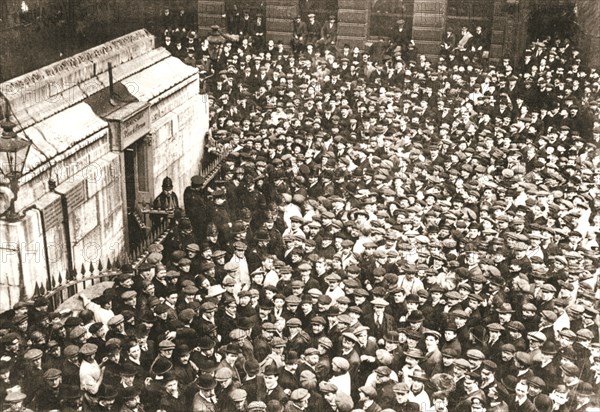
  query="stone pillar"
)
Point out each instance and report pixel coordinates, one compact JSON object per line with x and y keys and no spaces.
{"x":353,"y":18}
{"x":210,"y":12}
{"x":498,"y":34}
{"x":280,"y":20}
{"x":588,"y":38}
{"x":429,"y":20}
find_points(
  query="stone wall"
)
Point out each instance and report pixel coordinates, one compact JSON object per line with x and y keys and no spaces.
{"x":73,"y":196}
{"x":22,"y":257}
{"x":178,"y":145}
{"x":588,"y":16}
{"x":80,"y":221}
{"x":353,"y":18}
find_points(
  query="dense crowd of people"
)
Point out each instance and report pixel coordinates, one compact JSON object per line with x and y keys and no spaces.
{"x":386,"y":234}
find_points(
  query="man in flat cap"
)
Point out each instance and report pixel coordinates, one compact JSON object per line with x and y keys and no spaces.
{"x":401,"y":38}
{"x":401,"y":402}
{"x":313,"y":29}
{"x":329,"y":33}
{"x":299,"y":401}
{"x":48,"y":397}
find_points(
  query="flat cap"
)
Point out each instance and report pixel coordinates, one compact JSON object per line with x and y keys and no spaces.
{"x":88,"y":349}
{"x":401,"y":388}
{"x":70,"y":351}
{"x":33,"y":354}
{"x":257,"y":406}
{"x":368,"y":390}
{"x":383,"y":371}
{"x":222,"y":374}
{"x":340,"y":363}
{"x":462,"y":363}
{"x":537,"y":336}
{"x":299,"y":395}
{"x":327,"y":387}
{"x":379,"y":302}
{"x":166,"y":344}
{"x":115,"y":320}
{"x":495,"y":327}
{"x":567,"y":333}
{"x":52,"y":373}
{"x":475,"y":354}
{"x":549,"y":315}
{"x":128,"y":294}
{"x":294,"y":323}
{"x":238,"y":395}
{"x":570,"y":368}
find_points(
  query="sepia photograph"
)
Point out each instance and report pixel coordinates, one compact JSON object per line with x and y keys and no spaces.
{"x":299,"y":205}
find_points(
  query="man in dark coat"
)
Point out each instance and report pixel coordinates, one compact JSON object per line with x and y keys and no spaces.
{"x":401,"y":38}
{"x":299,"y":36}
{"x":196,"y":206}
{"x":313,"y":30}
{"x":273,"y":391}
{"x":379,"y":322}
{"x":329,"y":33}
{"x":220,"y":215}
{"x":48,"y":397}
{"x":521,"y":402}
{"x":166,"y":201}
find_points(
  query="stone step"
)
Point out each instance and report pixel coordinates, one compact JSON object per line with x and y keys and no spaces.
{"x":207,"y":20}
{"x":352,"y":16}
{"x":430,"y":6}
{"x":352,"y":5}
{"x":432,"y":57}
{"x":280,"y":25}
{"x":499,"y":21}
{"x":211,"y":7}
{"x":427,"y":33}
{"x":496,"y":51}
{"x":284,"y":37}
{"x":352,"y":30}
{"x":428,"y":47}
{"x":283,"y":3}
{"x":428,"y":20}
{"x":353,"y":41}
{"x":281,"y":12}
{"x":498,"y":37}
{"x":468,"y":21}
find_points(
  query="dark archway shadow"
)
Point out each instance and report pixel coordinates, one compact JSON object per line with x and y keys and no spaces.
{"x":553,"y":20}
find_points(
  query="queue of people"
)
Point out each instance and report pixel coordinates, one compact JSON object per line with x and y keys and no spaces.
{"x":403,"y":235}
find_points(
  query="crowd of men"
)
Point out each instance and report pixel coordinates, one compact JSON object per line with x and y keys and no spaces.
{"x":385,"y":235}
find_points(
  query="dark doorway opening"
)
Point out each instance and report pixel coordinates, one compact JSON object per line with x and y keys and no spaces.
{"x":556,"y":20}
{"x":137,"y":193}
{"x":385,"y":14}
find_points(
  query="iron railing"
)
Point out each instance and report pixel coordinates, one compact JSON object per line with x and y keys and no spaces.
{"x":210,"y":171}
{"x":58,"y":289}
{"x":157,"y":234}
